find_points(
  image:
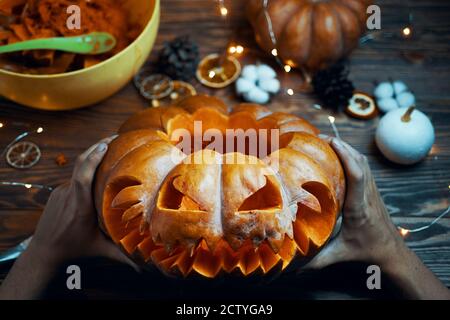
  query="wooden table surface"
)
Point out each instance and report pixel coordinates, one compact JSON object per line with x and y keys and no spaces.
{"x":415,"y":195}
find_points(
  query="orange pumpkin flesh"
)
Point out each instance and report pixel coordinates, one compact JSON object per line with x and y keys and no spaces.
{"x":216,"y":216}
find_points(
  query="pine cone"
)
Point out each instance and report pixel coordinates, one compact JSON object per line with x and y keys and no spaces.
{"x":179,"y":58}
{"x":333,"y":87}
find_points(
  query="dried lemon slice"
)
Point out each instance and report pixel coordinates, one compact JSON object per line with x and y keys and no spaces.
{"x":144,"y":73}
{"x":23,"y":155}
{"x":214,"y":73}
{"x":156,"y":86}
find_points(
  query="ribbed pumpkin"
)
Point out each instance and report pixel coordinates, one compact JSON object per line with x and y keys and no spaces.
{"x":309,"y":33}
{"x":214,"y":215}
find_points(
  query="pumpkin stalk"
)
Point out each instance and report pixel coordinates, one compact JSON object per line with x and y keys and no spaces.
{"x":407,"y":116}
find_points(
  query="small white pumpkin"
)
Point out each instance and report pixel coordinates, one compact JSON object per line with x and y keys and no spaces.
{"x":405,"y":135}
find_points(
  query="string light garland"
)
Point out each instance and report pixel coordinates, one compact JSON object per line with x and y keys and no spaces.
{"x":25,"y":185}
{"x":404,"y":231}
{"x":406,"y":32}
{"x":222,"y":9}
{"x":333,"y":126}
{"x":288,"y":65}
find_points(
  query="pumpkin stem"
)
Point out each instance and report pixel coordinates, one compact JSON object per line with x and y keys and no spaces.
{"x":407,"y":116}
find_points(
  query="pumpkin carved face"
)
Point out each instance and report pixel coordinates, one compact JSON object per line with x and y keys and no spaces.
{"x":201,"y":211}
{"x":309,"y":33}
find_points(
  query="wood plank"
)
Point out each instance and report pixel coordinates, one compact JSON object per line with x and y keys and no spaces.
{"x":414,"y":195}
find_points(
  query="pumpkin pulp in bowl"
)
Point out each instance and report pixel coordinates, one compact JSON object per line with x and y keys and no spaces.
{"x":94,"y":83}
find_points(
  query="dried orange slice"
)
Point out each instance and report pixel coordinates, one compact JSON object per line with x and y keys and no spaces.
{"x":361,"y":106}
{"x":23,"y":155}
{"x":215,"y":73}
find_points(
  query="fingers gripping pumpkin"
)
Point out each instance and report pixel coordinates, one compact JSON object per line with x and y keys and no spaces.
{"x":200,"y":210}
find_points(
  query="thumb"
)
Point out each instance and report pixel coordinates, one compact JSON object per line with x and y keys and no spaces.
{"x":87,"y":163}
{"x":333,"y":252}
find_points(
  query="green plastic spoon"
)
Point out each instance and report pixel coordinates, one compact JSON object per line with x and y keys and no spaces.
{"x":92,"y":43}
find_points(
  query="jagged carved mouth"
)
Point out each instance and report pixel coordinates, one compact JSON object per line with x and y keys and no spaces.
{"x":188,"y":254}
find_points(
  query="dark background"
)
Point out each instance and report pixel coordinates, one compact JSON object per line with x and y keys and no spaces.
{"x":415,"y":195}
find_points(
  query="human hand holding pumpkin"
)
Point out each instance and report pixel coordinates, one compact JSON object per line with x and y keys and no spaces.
{"x":67,"y":230}
{"x":368,"y":234}
{"x":68,"y":227}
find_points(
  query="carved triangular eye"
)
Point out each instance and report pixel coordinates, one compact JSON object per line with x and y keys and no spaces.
{"x":266,"y":198}
{"x":173,"y":199}
{"x":316,"y":225}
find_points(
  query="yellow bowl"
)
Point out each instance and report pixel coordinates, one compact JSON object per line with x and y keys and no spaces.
{"x":84,"y":87}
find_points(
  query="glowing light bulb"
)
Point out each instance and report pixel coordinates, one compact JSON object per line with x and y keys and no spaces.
{"x":223,"y":11}
{"x":332,"y":119}
{"x":290,"y":92}
{"x":274,"y":52}
{"x":403,"y":232}
{"x":239,"y":49}
{"x":232,"y":49}
{"x":27,"y":185}
{"x":39,"y":130}
{"x":287,"y":68}
{"x":406,"y":31}
{"x":1,"y":125}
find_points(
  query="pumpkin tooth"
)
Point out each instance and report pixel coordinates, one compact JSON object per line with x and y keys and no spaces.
{"x":171,"y":247}
{"x":131,"y":241}
{"x":146,"y":247}
{"x":268,"y":258}
{"x":159,"y":255}
{"x":230,"y":258}
{"x":168,"y":264}
{"x":133,"y":212}
{"x":248,"y":260}
{"x":287,"y":251}
{"x":127,"y":197}
{"x":275,"y":244}
{"x":205,"y":262}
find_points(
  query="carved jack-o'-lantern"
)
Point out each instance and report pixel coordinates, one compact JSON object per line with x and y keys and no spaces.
{"x":199,"y":210}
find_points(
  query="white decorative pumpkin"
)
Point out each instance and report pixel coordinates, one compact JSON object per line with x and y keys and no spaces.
{"x":405,"y":135}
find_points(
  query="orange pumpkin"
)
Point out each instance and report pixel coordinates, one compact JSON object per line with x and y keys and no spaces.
{"x":217,"y":215}
{"x":309,"y":33}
